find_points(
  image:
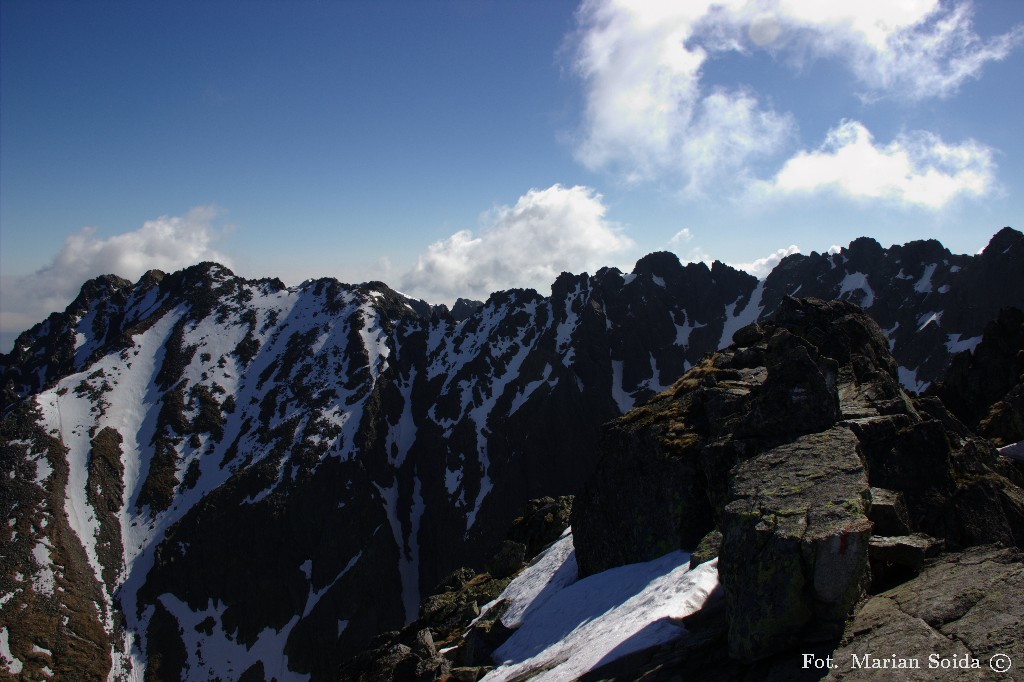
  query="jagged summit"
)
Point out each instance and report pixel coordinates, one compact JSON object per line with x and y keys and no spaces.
{"x":1005,"y":240}
{"x":248,"y":475}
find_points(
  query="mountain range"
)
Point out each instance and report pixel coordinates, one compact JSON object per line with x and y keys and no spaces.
{"x":210,"y":477}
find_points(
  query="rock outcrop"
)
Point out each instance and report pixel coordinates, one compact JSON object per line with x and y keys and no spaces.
{"x":951,"y":620}
{"x":781,"y":443}
{"x":794,"y":552}
{"x":985,"y":388}
{"x":961,"y":619}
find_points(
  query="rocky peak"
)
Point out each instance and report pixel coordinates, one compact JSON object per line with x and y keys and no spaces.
{"x":864,"y":250}
{"x":1004,"y":241}
{"x":663,"y":264}
{"x":922,"y":251}
{"x":98,"y":290}
{"x":464,"y":307}
{"x":775,"y":443}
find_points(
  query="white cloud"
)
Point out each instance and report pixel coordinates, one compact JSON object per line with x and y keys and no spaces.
{"x":646,"y":111}
{"x":650,"y":114}
{"x":912,"y":49}
{"x":683,"y":236}
{"x":762,"y":266}
{"x":682,"y":245}
{"x":527,"y":245}
{"x":167,"y":243}
{"x":917,"y":169}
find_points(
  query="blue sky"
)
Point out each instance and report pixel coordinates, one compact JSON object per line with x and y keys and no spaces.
{"x":454,"y":148}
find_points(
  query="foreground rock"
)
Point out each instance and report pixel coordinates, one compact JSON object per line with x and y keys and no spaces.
{"x":964,"y":609}
{"x":794,"y":557}
{"x":950,"y":621}
{"x":781,"y":443}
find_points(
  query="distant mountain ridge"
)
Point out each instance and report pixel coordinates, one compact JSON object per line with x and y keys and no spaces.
{"x":222,"y":475}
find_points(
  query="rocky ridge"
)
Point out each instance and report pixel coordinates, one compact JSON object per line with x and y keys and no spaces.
{"x":819,"y":482}
{"x":813,"y":560}
{"x":204,"y":420}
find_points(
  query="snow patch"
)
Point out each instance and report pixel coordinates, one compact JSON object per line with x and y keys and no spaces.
{"x":12,"y":664}
{"x":955,"y":344}
{"x":1013,"y":451}
{"x":43,"y":469}
{"x":909,"y":380}
{"x":569,"y":628}
{"x":889,"y":335}
{"x":924,"y":285}
{"x":736,"y":321}
{"x":857,"y":281}
{"x":452,"y":480}
{"x":622,"y":399}
{"x":683,"y":331}
{"x":928,"y":318}
{"x":522,"y":396}
{"x":531,"y":589}
{"x":408,"y":548}
{"x":218,"y":655}
{"x":43,"y":580}
{"x":314,"y":597}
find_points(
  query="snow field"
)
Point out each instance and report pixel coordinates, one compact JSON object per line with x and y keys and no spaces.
{"x":569,"y":626}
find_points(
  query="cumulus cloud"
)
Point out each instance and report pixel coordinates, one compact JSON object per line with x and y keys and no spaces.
{"x":166,"y":243}
{"x":647,"y":113}
{"x":546,"y":232}
{"x":762,"y":266}
{"x":916,"y":169}
{"x":650,"y":114}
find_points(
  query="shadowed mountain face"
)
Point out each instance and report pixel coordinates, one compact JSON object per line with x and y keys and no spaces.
{"x":210,"y":475}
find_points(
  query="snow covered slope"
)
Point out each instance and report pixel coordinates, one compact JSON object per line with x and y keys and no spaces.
{"x":565,"y":627}
{"x":280,"y":472}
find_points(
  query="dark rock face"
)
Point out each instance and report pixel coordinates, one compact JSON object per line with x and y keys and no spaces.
{"x":794,"y":552}
{"x":962,"y":606}
{"x":896,"y":559}
{"x":923,"y":296}
{"x":888,"y":513}
{"x":207,"y":419}
{"x":786,"y":464}
{"x":985,"y":388}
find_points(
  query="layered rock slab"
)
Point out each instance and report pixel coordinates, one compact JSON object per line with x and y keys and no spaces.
{"x":961,"y":608}
{"x":795,"y":537}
